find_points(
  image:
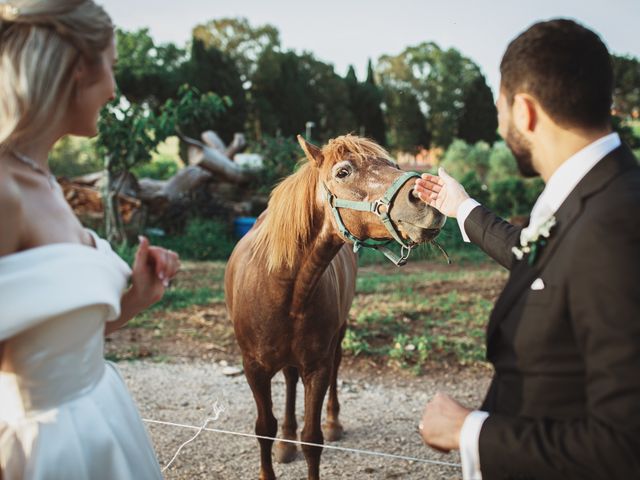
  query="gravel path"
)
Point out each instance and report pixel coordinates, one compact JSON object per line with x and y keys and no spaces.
{"x":378,"y":413}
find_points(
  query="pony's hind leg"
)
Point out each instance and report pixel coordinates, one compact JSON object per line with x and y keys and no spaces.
{"x":316,"y":383}
{"x":333,"y":428}
{"x":266,"y":425}
{"x":285,"y":451}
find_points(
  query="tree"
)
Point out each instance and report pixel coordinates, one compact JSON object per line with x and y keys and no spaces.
{"x":146,"y":72}
{"x":243,"y":43}
{"x":626,"y":93}
{"x":406,"y":124}
{"x":478,"y":118}
{"x":211,"y":70}
{"x":461,"y":159}
{"x":502,"y":163}
{"x":438,"y":79}
{"x":365,"y":103}
{"x":291,"y":89}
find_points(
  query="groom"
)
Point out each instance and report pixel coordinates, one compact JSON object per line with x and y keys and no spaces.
{"x":564,"y":336}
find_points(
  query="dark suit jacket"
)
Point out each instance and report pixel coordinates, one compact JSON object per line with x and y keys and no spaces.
{"x":564,"y":401}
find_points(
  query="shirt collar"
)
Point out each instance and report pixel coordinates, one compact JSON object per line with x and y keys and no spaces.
{"x":569,"y":174}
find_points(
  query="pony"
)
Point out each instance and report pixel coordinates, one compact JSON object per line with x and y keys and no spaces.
{"x":290,"y":280}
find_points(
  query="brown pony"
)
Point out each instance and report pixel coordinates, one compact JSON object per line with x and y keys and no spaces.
{"x":290,"y":282}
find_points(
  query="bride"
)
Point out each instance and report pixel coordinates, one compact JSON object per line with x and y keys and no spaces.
{"x":64,"y":412}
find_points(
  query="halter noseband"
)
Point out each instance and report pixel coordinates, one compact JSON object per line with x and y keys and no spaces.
{"x":381,"y":208}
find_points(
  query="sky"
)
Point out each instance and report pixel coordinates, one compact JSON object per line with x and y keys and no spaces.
{"x":350,"y":32}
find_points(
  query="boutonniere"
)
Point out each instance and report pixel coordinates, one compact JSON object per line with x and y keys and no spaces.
{"x":532,"y":240}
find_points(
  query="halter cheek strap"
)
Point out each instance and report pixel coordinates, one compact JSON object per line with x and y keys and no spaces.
{"x":381,"y":208}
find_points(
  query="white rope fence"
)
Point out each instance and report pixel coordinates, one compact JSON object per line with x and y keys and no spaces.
{"x":218,"y":409}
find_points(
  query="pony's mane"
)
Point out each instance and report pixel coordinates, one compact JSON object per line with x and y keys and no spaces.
{"x":287,"y":227}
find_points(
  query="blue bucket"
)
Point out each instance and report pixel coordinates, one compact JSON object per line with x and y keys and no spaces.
{"x":242,"y":225}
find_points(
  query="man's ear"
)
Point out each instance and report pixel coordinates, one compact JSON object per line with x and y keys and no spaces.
{"x":313,"y":153}
{"x":525,"y":112}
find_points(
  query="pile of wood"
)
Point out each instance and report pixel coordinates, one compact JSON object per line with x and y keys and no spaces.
{"x":209,"y":160}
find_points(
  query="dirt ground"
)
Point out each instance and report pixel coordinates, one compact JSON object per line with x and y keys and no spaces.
{"x":176,"y":361}
{"x":379,"y":413}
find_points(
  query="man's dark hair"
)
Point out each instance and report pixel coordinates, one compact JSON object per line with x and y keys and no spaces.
{"x":566,"y":67}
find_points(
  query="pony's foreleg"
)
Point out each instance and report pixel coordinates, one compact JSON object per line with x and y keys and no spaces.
{"x":286,"y":452}
{"x":266,"y":424}
{"x":316,"y":383}
{"x":333,"y":428}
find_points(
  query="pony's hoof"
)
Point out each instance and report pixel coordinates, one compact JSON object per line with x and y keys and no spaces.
{"x":332,"y":431}
{"x":266,"y":475}
{"x":285,"y":452}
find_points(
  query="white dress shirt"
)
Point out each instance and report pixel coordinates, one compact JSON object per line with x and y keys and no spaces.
{"x":557,"y":189}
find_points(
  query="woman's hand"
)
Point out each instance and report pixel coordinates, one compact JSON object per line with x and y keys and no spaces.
{"x":153,"y":268}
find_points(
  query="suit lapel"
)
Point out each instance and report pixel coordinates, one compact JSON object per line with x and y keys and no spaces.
{"x":523,"y":274}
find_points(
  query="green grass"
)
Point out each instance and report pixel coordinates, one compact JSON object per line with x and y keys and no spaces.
{"x":451,"y":241}
{"x":403,"y":320}
{"x":178,"y":298}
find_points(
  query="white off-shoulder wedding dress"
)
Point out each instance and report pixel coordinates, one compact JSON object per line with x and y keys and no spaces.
{"x":65,"y":413}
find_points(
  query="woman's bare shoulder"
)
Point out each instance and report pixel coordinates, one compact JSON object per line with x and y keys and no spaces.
{"x":10,"y":211}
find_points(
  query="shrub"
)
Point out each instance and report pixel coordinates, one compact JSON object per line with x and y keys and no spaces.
{"x":203,"y":239}
{"x":74,"y":156}
{"x":280,"y":155}
{"x":161,"y":168}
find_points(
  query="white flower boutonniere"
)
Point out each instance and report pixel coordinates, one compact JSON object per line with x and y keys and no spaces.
{"x":533,"y":239}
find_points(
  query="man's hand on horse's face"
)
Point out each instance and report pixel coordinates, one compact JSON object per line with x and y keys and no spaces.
{"x":441,"y":423}
{"x":442,"y":192}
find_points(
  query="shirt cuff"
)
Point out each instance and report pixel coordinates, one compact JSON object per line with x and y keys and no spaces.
{"x":463,"y":212}
{"x":469,"y":448}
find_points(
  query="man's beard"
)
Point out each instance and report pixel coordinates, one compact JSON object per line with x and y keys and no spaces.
{"x":521,"y":149}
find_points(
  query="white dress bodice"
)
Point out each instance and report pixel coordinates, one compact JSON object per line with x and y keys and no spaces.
{"x":64,"y":411}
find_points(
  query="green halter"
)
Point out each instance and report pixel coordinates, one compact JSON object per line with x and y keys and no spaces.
{"x":383,"y":213}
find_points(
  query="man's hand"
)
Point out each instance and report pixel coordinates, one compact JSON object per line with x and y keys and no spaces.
{"x":441,"y":423}
{"x":442,"y":192}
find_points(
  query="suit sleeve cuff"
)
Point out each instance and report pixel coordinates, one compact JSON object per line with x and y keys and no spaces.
{"x":463,"y":212}
{"x":469,"y":445}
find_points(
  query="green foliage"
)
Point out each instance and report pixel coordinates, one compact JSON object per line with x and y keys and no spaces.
{"x":479,"y":117}
{"x":211,"y":70}
{"x":127,"y":135}
{"x":365,"y":103}
{"x":190,"y":112}
{"x":626,"y":92}
{"x":161,"y":168}
{"x":203,"y":239}
{"x":515,"y":196}
{"x":407,"y":125}
{"x":146,"y":72}
{"x":461,"y":159}
{"x":439,"y":80}
{"x":74,"y":156}
{"x":502,"y":163}
{"x":280,"y":156}
{"x":242,"y":42}
{"x":627,"y":132}
{"x":289,"y":89}
{"x":354,"y":343}
{"x":177,"y":298}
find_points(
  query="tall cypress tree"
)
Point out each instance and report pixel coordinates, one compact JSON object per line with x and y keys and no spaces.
{"x":365,"y":103}
{"x":211,"y":70}
{"x":478,"y":120}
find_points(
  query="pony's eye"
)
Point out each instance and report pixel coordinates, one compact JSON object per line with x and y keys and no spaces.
{"x":343,"y":172}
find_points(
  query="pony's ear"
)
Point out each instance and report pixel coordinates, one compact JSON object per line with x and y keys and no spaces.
{"x":313,"y":153}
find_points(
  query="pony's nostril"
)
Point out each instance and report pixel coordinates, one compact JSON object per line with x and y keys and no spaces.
{"x":413,"y":196}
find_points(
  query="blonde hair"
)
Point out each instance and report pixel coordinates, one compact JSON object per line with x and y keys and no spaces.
{"x":41,"y":43}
